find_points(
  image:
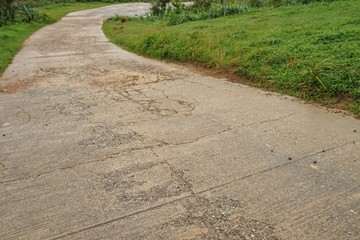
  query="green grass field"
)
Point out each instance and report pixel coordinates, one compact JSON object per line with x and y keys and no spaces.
{"x":13,"y":36}
{"x":309,"y":51}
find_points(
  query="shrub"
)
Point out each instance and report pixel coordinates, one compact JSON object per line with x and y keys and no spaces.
{"x":203,"y":5}
{"x":159,"y":8}
{"x":28,"y":14}
{"x":7,"y":11}
{"x":23,"y":11}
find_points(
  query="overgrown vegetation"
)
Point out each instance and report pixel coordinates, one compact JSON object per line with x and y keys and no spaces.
{"x":28,"y":17}
{"x":309,"y":51}
{"x":174,"y":12}
{"x":7,"y":11}
{"x":12,"y":11}
{"x":179,"y":13}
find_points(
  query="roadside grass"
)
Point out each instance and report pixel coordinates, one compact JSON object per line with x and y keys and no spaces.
{"x":11,"y":40}
{"x":57,"y":11}
{"x":13,"y":36}
{"x":309,"y":51}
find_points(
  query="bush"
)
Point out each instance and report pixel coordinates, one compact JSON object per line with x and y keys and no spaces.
{"x":7,"y":11}
{"x":23,"y":10}
{"x":159,"y":8}
{"x":179,"y":14}
{"x":174,"y":13}
{"x":203,"y":4}
{"x":28,"y":15}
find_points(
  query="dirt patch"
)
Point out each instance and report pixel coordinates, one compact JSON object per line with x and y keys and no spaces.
{"x":18,"y":85}
{"x":118,"y":79}
{"x":207,"y":70}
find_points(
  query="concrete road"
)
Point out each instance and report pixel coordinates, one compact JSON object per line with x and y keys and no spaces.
{"x":98,"y":143}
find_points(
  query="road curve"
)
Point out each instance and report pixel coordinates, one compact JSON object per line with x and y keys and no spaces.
{"x":98,"y":143}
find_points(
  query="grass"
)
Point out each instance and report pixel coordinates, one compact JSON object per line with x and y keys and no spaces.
{"x":309,"y":51}
{"x":57,"y":11}
{"x":13,"y":36}
{"x":11,"y":41}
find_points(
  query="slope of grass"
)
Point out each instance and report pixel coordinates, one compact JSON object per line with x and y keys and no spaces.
{"x":309,"y":51}
{"x":13,"y":36}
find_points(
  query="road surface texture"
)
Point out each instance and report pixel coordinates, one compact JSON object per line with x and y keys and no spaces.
{"x":98,"y":143}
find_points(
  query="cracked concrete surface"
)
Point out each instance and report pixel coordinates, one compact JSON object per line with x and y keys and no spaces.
{"x":98,"y":143}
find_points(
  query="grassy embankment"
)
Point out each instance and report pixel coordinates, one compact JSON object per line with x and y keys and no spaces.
{"x":309,"y":51}
{"x":13,"y":36}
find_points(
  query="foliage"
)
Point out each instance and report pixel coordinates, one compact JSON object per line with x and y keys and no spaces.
{"x":12,"y":11}
{"x":203,"y":5}
{"x":310,"y":51}
{"x":277,"y":3}
{"x":174,"y":12}
{"x":7,"y":11}
{"x":159,"y":7}
{"x":180,"y":13}
{"x":19,"y":11}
